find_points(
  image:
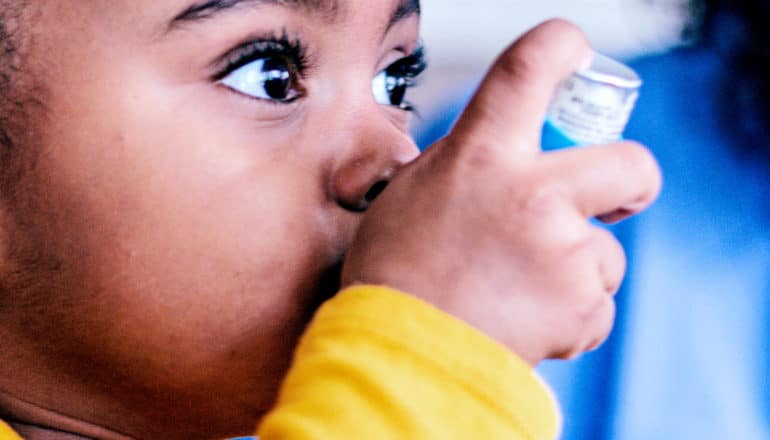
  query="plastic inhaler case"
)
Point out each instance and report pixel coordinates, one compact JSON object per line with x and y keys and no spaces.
{"x":592,"y":106}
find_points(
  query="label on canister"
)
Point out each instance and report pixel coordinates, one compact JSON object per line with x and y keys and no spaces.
{"x":594,"y":105}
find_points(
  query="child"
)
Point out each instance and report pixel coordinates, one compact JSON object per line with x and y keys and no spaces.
{"x":184,"y":182}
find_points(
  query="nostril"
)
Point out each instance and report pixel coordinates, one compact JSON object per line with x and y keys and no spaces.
{"x":375,"y":190}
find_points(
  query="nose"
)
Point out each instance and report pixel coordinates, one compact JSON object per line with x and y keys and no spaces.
{"x":366,"y":172}
{"x":372,"y":158}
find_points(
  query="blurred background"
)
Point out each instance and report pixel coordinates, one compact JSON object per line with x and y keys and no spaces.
{"x":463,"y":37}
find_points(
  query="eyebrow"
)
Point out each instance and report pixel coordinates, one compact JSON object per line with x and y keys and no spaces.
{"x":329,"y":8}
{"x":404,"y":10}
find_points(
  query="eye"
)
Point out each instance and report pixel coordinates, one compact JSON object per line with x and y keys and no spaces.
{"x":270,"y":78}
{"x":389,"y":88}
{"x":269,"y":69}
{"x":391,"y":85}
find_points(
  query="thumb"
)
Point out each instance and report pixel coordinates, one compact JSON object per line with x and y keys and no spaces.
{"x":510,"y":106}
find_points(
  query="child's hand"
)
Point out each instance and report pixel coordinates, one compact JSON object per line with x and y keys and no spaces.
{"x":493,"y":231}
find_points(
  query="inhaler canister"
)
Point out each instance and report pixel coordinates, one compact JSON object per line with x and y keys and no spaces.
{"x":592,"y":106}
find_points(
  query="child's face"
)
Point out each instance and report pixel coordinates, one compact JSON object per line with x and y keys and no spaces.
{"x":194,"y":184}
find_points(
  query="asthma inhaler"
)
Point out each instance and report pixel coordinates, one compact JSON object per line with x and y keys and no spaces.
{"x":592,"y":106}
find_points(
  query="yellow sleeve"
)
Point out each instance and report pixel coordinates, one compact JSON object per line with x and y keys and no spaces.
{"x":378,"y":364}
{"x":6,"y":433}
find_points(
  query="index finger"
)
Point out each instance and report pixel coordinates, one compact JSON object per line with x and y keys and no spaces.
{"x":511,"y":104}
{"x":612,"y":181}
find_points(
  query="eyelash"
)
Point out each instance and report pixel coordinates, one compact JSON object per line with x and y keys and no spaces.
{"x":293,"y":51}
{"x":412,"y":66}
{"x":282,"y":46}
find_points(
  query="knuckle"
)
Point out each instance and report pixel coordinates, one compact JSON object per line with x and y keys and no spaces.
{"x":542,"y":199}
{"x":524,"y":62}
{"x":484,"y":154}
{"x":539,"y":222}
{"x":612,"y":276}
{"x":587,"y":312}
{"x":603,"y":325}
{"x":596,"y":322}
{"x":481,"y":159}
{"x":544,"y":224}
{"x":605,"y":236}
{"x":610,"y":244}
{"x":588,"y":325}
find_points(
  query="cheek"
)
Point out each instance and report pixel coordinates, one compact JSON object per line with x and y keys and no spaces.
{"x":199,"y":240}
{"x":215,"y":216}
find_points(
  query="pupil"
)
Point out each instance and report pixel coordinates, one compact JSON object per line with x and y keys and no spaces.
{"x":395,"y":81}
{"x":396,"y":90}
{"x":278,"y":79}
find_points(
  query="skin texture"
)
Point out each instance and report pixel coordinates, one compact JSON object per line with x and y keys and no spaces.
{"x":168,"y":239}
{"x":171,"y":239}
{"x":511,"y":249}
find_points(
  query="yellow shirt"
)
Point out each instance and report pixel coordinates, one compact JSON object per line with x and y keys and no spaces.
{"x":378,"y":364}
{"x":6,"y":433}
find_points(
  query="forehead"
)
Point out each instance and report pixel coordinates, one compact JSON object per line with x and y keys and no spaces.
{"x":151,"y":19}
{"x":331,"y":9}
{"x":160,"y":16}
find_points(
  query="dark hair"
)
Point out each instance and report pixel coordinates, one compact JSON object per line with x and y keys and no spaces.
{"x":749,"y":61}
{"x":10,"y":19}
{"x":14,"y":99}
{"x":6,"y":70}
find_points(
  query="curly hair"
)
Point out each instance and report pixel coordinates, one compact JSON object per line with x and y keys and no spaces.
{"x":10,"y":19}
{"x":7,"y":51}
{"x":14,"y":99}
